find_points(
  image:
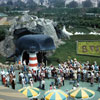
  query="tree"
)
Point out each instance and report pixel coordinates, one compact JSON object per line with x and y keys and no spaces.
{"x":98,"y":4}
{"x":10,"y":3}
{"x":87,"y":3}
{"x":58,"y":3}
{"x":2,"y":34}
{"x":72,"y":4}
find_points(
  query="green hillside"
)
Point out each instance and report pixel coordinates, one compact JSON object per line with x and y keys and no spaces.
{"x":68,"y":50}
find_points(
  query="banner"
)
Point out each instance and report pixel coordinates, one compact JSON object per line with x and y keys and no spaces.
{"x":88,"y":48}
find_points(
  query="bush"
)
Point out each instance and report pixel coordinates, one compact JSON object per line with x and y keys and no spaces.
{"x":2,"y":33}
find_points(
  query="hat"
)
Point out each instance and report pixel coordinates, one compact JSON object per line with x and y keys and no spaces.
{"x":75,"y":59}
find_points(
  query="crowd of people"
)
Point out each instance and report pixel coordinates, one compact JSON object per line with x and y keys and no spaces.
{"x":71,"y":70}
{"x":8,"y":77}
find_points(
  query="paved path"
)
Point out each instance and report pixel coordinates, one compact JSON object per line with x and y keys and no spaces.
{"x":9,"y":94}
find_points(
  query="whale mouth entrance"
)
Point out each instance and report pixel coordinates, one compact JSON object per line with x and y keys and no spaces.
{"x":40,"y":57}
{"x":25,"y":57}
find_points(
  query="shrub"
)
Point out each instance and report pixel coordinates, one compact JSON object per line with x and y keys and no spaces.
{"x":2,"y":33}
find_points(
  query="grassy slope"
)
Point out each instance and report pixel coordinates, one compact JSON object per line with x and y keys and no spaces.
{"x":68,"y":50}
{"x":2,"y":59}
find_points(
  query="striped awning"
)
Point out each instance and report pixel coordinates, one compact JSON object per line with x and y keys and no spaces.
{"x":55,"y":95}
{"x":81,"y":93}
{"x":30,"y":92}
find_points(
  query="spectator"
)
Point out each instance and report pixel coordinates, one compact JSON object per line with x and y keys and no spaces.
{"x":23,"y":82}
{"x":50,"y":87}
{"x":43,"y":84}
{"x":13,"y":82}
{"x":92,"y":78}
{"x":31,"y":82}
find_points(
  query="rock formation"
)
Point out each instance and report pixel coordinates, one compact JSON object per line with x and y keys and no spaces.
{"x":7,"y":46}
{"x":33,"y":24}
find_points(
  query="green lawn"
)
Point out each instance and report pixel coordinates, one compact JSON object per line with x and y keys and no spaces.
{"x":2,"y":59}
{"x":80,"y":29}
{"x":68,"y":50}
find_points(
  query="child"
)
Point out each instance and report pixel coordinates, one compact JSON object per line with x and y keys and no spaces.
{"x":54,"y":87}
{"x":74,"y":87}
{"x":23,"y":82}
{"x":78,"y":84}
{"x":50,"y":87}
{"x":31,"y":82}
{"x":92,"y":78}
{"x":43,"y":84}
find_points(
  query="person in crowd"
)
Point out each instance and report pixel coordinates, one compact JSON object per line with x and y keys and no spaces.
{"x":7,"y":80}
{"x":92,"y":78}
{"x":26,"y":79}
{"x":78,"y":76}
{"x":75,"y":76}
{"x":31,"y":82}
{"x":63,"y":83}
{"x":20,"y":78}
{"x":40,"y":80}
{"x":78,"y":84}
{"x":23,"y":82}
{"x":49,"y":73}
{"x":88,"y":76}
{"x":54,"y":87}
{"x":68,"y":70}
{"x":50,"y":87}
{"x":13,"y":82}
{"x":12,"y":68}
{"x":2,"y":76}
{"x":43,"y":84}
{"x":74,"y":87}
{"x":24,"y":64}
{"x":97,"y":77}
{"x":29,"y":75}
{"x":84,"y":71}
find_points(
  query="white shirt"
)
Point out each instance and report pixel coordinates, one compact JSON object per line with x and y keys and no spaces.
{"x":84,"y":71}
{"x":7,"y":78}
{"x":24,"y":62}
{"x":31,"y":82}
{"x":74,"y":88}
{"x":67,"y":70}
{"x":43,"y":81}
{"x":92,"y":67}
{"x":2,"y":72}
{"x":23,"y":80}
{"x":22,"y":75}
{"x":79,"y":69}
{"x":92,"y":74}
{"x":13,"y":73}
{"x":7,"y":73}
